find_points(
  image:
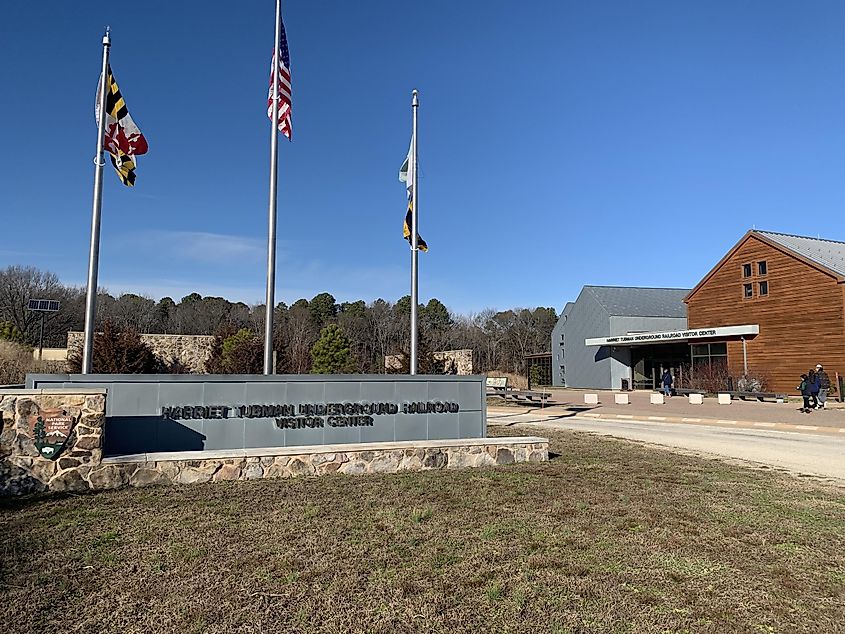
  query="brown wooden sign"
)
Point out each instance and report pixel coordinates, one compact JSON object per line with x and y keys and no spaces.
{"x":50,"y":429}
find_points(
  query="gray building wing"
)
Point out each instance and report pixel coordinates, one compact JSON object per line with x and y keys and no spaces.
{"x":606,"y":311}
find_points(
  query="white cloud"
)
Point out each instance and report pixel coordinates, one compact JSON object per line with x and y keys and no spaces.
{"x":198,"y":246}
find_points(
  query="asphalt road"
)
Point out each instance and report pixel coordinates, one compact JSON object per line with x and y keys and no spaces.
{"x":802,"y":453}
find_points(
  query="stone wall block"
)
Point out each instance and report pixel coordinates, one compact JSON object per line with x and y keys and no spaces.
{"x":43,"y":469}
{"x":228,"y":472}
{"x":108,"y":477}
{"x":353,"y":467}
{"x":196,"y":475}
{"x":328,"y":467}
{"x":70,"y":481}
{"x":387,"y":462}
{"x":301,"y":466}
{"x":7,"y":405}
{"x":504,"y":456}
{"x":435,"y":459}
{"x":252,"y":471}
{"x":537,"y":456}
{"x":23,"y":445}
{"x":66,"y":462}
{"x":95,"y":403}
{"x":321,"y":458}
{"x":148,"y":476}
{"x":25,"y":407}
{"x":412,"y":461}
{"x":169,"y":469}
{"x":88,"y":442}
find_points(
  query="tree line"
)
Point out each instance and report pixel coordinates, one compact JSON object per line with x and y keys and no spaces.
{"x":369,"y":330}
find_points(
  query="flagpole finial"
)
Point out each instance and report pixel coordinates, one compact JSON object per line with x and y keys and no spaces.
{"x":414,"y":98}
{"x":107,"y":36}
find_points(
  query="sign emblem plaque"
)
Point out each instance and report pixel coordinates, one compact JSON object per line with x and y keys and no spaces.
{"x":50,"y":430}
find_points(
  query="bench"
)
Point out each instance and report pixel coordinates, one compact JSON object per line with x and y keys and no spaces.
{"x":760,"y":396}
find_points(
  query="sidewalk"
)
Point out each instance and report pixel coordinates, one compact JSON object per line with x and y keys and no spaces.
{"x":677,"y":409}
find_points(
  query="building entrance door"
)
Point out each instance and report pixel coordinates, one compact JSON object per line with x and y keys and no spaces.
{"x":649,"y":362}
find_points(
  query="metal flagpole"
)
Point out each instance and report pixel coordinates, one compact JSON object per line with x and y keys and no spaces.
{"x":94,"y":253}
{"x":415,"y":214}
{"x":271,"y":233}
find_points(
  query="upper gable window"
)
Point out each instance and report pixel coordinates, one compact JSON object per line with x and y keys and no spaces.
{"x":762,"y":268}
{"x":747,"y":291}
{"x":746,"y":270}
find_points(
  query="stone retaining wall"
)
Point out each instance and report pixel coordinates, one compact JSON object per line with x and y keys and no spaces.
{"x":35,"y":457}
{"x":192,"y":350}
{"x":289,"y":462}
{"x":461,"y":358}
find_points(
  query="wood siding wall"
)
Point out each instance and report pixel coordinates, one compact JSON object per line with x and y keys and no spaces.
{"x":802,"y":321}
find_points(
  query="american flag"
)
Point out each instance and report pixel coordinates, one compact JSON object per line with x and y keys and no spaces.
{"x":284,"y":85}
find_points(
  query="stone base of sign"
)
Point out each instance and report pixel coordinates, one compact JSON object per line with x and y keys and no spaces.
{"x":23,"y":469}
{"x":288,"y":462}
{"x":79,"y":464}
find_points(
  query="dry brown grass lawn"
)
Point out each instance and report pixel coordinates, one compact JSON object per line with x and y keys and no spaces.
{"x":609,"y":536}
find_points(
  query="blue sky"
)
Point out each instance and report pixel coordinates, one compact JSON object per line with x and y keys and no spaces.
{"x":561,"y":143}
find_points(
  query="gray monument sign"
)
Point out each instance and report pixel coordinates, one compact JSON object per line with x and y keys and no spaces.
{"x":172,"y":412}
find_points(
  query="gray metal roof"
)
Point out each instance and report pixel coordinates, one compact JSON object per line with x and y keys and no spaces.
{"x":627,"y":301}
{"x":828,"y":253}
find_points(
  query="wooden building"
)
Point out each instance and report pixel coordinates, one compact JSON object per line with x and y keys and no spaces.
{"x":793,"y":288}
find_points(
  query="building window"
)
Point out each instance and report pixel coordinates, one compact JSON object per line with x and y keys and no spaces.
{"x":763,"y":289}
{"x":762,"y":269}
{"x":746,"y":270}
{"x":747,"y":291}
{"x":709,"y":354}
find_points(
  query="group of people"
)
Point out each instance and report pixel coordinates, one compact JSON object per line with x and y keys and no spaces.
{"x":814,"y":387}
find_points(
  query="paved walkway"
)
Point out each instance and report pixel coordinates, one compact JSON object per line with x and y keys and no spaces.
{"x":678,"y":409}
{"x":801,"y":453}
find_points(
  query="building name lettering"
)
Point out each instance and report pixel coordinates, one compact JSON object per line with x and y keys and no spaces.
{"x":659,"y":336}
{"x":308,"y":415}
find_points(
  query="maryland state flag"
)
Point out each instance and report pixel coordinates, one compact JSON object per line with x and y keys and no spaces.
{"x":406,"y":177}
{"x":122,"y":139}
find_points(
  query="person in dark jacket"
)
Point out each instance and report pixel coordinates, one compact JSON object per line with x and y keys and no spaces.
{"x":667,"y":383}
{"x":824,"y":385}
{"x":811,"y":390}
{"x":804,"y":388}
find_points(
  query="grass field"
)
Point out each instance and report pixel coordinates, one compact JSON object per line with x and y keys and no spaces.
{"x":609,"y":536}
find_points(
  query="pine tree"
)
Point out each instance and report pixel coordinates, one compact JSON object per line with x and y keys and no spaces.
{"x":39,"y":432}
{"x":332,"y":353}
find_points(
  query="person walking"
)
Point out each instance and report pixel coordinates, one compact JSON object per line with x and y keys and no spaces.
{"x":812,"y":389}
{"x":667,"y":382}
{"x":824,"y":385}
{"x":804,"y":388}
